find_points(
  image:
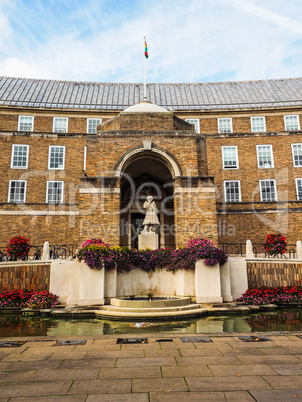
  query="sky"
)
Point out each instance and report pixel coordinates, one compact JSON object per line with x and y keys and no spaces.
{"x":188,"y":40}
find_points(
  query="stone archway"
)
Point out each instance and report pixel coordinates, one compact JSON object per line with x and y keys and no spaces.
{"x":146,"y":173}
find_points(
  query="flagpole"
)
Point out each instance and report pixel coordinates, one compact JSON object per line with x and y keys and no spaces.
{"x":145,"y":87}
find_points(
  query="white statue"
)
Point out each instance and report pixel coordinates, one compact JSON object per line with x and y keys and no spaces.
{"x":151,"y":218}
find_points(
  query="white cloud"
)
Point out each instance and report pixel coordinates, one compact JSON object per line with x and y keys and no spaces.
{"x":192,"y":40}
{"x":5,"y":29}
{"x":282,"y":21}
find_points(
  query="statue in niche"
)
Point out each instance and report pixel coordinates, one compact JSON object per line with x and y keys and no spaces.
{"x":151,"y":218}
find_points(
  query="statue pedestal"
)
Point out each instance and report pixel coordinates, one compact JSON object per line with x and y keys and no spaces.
{"x":148,"y":240}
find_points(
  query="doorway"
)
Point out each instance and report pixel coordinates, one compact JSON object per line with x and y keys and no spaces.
{"x":145,"y":175}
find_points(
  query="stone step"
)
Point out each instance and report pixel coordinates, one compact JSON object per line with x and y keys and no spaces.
{"x":217,"y":305}
{"x":151,"y":310}
{"x":156,"y":302}
{"x":117,"y":314}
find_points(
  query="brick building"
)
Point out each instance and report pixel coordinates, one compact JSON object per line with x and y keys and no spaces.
{"x":222,"y":160}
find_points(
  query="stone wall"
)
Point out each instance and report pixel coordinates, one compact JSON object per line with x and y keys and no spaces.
{"x":76,"y":284}
{"x":18,"y":276}
{"x":274,"y":273}
{"x":238,"y":225}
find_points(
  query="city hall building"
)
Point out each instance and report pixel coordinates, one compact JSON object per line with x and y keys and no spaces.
{"x":221,"y":160}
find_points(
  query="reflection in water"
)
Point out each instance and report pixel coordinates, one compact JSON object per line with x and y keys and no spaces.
{"x":286,"y":320}
{"x":16,"y":325}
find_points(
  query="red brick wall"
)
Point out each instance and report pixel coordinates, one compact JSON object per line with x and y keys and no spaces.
{"x":33,"y":276}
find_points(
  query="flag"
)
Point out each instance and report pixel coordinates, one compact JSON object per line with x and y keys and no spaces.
{"x":146,"y":51}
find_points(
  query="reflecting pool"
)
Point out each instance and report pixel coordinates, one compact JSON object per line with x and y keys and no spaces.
{"x":13,"y":325}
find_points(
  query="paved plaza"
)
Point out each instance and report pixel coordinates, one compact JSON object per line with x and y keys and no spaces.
{"x":164,"y":369}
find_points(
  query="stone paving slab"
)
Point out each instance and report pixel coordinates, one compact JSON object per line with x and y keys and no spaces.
{"x":141,"y":346}
{"x":282,"y":350}
{"x":18,"y":375}
{"x":177,"y":345}
{"x":34,"y":388}
{"x":186,"y":371}
{"x":64,"y":398}
{"x":68,"y":356}
{"x":2,"y":375}
{"x":187,"y":396}
{"x":287,"y":369}
{"x":64,"y":374}
{"x":103,"y":354}
{"x":240,"y":351}
{"x":13,"y":357}
{"x":66,"y":363}
{"x":118,"y":398}
{"x":159,"y":385}
{"x":130,"y":372}
{"x":284,"y":382}
{"x":243,"y":383}
{"x":286,"y":340}
{"x":241,"y":370}
{"x":39,"y":344}
{"x":201,"y":360}
{"x":199,"y":352}
{"x":33,"y":365}
{"x":112,"y":386}
{"x":269,"y":359}
{"x":293,"y":395}
{"x":147,"y":361}
{"x":236,"y":396}
{"x":162,"y":353}
{"x":5,"y":365}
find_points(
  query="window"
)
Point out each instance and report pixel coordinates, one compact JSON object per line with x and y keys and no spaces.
{"x":26,"y":123}
{"x":299,"y":189}
{"x":268,"y":190}
{"x":297,"y":154}
{"x":195,"y":122}
{"x":56,"y":157}
{"x":225,"y":125}
{"x":17,"y":191}
{"x":258,"y":124}
{"x":232,"y":191}
{"x":54,"y":192}
{"x":230,"y":157}
{"x":19,"y":156}
{"x":265,"y":156}
{"x":60,"y":124}
{"x":291,"y":122}
{"x":92,"y":125}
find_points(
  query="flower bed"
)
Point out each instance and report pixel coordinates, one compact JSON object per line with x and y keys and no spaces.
{"x":18,"y":248}
{"x":27,"y":298}
{"x":285,"y":294}
{"x":275,"y":244}
{"x":96,"y":254}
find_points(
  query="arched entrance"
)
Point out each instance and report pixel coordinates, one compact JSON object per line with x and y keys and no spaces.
{"x":146,"y":173}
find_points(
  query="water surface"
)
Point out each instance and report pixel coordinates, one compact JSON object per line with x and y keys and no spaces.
{"x":16,"y":325}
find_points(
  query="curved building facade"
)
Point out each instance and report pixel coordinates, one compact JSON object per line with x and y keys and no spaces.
{"x":221,"y":160}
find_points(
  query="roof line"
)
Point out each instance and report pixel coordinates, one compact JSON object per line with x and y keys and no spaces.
{"x":153,"y":83}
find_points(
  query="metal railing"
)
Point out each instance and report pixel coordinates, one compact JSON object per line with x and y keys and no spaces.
{"x":35,"y":253}
{"x":239,"y":250}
